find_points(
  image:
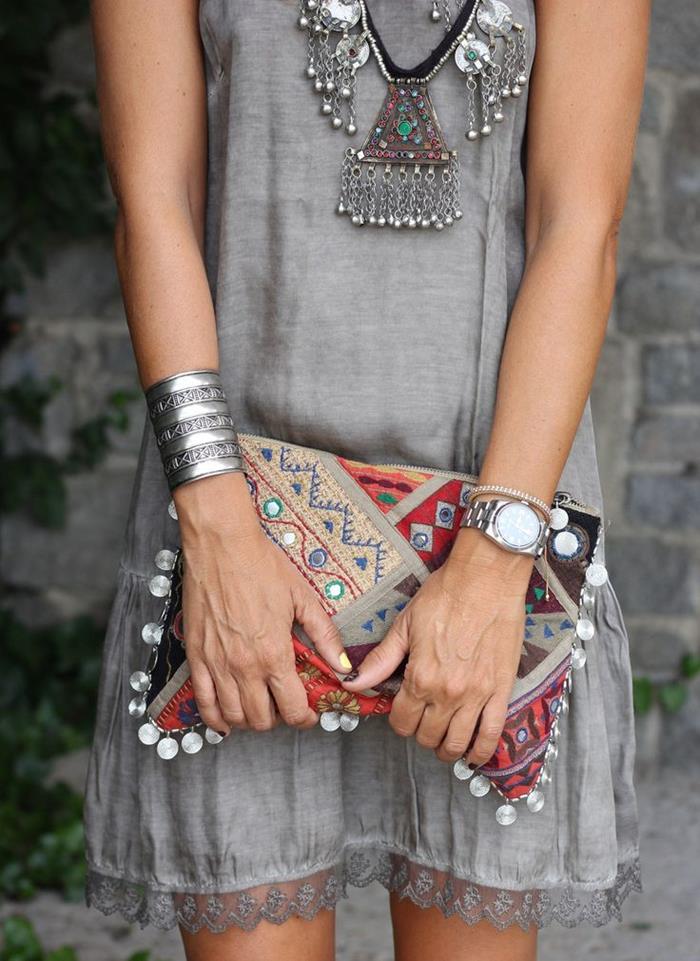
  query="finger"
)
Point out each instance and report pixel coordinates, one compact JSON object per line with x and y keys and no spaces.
{"x":206,"y":698}
{"x":459,"y":734}
{"x":291,"y":700}
{"x":489,"y":730}
{"x":229,"y":696}
{"x":382,"y":660}
{"x":433,"y":725}
{"x":321,"y":630}
{"x":258,"y":704}
{"x":406,"y":712}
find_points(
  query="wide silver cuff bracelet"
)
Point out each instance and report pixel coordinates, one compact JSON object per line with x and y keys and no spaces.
{"x":193,"y":426}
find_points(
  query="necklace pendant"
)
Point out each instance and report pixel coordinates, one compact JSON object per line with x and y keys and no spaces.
{"x":404,"y":175}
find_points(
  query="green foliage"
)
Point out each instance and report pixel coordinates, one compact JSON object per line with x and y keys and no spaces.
{"x":52,"y":182}
{"x":91,"y":441}
{"x":48,"y":688}
{"x":34,"y":481}
{"x":643,"y":694}
{"x":52,"y":191}
{"x":670,"y":694}
{"x":690,"y":665}
{"x":50,"y":674}
{"x":20,"y":943}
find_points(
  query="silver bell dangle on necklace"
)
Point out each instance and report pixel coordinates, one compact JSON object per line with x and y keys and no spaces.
{"x":494,"y":68}
{"x":330,"y":67}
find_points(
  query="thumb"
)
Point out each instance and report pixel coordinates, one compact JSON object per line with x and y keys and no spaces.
{"x":382,"y":660}
{"x":321,"y":631}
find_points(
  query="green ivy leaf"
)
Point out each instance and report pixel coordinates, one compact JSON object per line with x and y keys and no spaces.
{"x":673,"y":696}
{"x":690,"y":665}
{"x":20,"y":941}
{"x":643,"y":694}
{"x":62,"y":954}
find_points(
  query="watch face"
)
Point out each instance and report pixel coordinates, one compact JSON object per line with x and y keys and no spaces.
{"x":518,"y":525}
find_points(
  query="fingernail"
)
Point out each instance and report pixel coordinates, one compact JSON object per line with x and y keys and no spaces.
{"x":352,"y":676}
{"x":345,"y":661}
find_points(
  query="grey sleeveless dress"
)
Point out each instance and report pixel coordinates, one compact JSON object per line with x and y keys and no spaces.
{"x":382,"y":345}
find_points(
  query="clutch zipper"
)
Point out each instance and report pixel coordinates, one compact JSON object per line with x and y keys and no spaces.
{"x":560,"y":497}
{"x":419,"y":467}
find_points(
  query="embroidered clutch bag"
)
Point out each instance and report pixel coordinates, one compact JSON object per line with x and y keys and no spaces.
{"x":366,"y":536}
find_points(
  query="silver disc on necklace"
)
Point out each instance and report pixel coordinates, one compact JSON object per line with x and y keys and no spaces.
{"x":495,"y":18}
{"x":339,"y":14}
{"x":167,"y":748}
{"x":558,"y":519}
{"x":585,"y":629}
{"x":352,"y":51}
{"x":148,"y":733}
{"x":506,"y":814}
{"x":330,"y":720}
{"x":596,"y":575}
{"x":192,"y":742}
{"x":172,"y":510}
{"x":139,"y":681}
{"x":535,"y":801}
{"x":461,"y":770}
{"x":479,"y":785}
{"x":349,"y":722}
{"x":578,"y":658}
{"x":212,"y":736}
{"x":471,"y":56}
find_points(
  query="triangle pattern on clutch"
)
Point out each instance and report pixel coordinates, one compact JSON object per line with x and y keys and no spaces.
{"x":406,"y":129}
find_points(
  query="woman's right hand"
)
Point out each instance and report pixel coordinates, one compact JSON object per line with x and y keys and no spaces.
{"x":240,"y":596}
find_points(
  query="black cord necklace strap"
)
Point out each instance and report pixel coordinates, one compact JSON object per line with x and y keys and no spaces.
{"x":433,"y":59}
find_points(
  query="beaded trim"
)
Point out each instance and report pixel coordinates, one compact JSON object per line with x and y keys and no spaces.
{"x":479,"y":784}
{"x":568,"y":543}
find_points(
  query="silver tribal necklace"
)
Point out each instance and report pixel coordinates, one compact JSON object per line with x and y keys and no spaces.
{"x":405,"y":175}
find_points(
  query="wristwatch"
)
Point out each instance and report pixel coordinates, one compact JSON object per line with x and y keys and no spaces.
{"x":513,"y":524}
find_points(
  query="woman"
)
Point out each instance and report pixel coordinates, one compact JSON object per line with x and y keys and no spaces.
{"x":469,"y":348}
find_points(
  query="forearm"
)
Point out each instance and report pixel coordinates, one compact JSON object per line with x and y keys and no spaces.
{"x":549,"y":359}
{"x":550,"y":355}
{"x":166,"y":294}
{"x":580,"y":146}
{"x":173,"y":328}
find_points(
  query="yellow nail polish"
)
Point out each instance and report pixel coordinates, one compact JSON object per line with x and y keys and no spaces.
{"x":345,"y":661}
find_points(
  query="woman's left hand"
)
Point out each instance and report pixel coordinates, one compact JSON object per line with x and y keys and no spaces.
{"x":463,"y":634}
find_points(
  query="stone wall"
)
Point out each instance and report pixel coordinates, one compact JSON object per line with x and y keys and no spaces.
{"x":646,"y":398}
{"x":647,"y":394}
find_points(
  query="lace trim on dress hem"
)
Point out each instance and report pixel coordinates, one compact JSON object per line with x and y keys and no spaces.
{"x":304,"y":897}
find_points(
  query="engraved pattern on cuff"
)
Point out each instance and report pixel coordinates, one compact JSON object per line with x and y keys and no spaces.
{"x":205,"y":422}
{"x":182,"y":382}
{"x":184,"y":398}
{"x":214,"y":458}
{"x":193,"y":426}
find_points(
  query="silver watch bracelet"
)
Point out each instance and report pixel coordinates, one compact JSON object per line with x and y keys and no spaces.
{"x":193,"y":426}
